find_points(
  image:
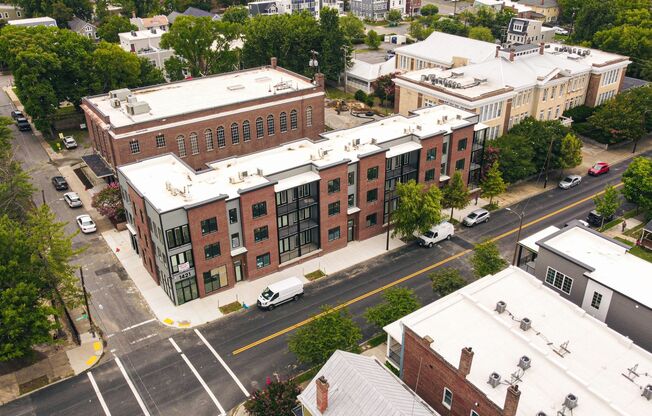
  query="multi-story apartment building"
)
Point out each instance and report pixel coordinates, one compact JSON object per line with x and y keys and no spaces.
{"x":244,"y":217}
{"x":406,"y":7}
{"x":207,"y":118}
{"x":271,"y":7}
{"x":526,"y":31}
{"x":598,"y":274}
{"x":540,"y":81}
{"x":10,"y":12}
{"x":370,"y":9}
{"x":507,"y":345}
{"x":146,"y":44}
{"x":549,"y":9}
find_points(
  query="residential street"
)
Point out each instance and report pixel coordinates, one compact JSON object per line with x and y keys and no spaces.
{"x":184,"y":376}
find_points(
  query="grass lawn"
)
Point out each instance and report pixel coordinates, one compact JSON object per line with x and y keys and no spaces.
{"x":315,"y":275}
{"x":611,"y":224}
{"x":491,"y":207}
{"x":377,"y":340}
{"x":641,"y":252}
{"x":306,"y":375}
{"x":635,"y":232}
{"x":231,"y":307}
{"x":338,"y":94}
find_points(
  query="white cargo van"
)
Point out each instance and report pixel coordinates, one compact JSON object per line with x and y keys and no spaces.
{"x":442,"y":231}
{"x":280,"y":292}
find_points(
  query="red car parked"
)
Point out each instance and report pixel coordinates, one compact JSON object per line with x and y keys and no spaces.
{"x":599,"y":168}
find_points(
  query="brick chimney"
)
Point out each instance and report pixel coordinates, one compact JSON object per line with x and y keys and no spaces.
{"x":511,"y":400}
{"x":273,"y":62}
{"x":497,"y":50}
{"x":322,"y":394}
{"x":542,"y":46}
{"x":319,"y":80}
{"x":466,"y":358}
{"x":511,"y":55}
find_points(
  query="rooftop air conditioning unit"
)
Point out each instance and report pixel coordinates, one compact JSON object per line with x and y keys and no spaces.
{"x":524,"y":362}
{"x":526,"y":323}
{"x":570,"y":401}
{"x":419,"y":127}
{"x":494,"y":379}
{"x":424,"y":78}
{"x":647,"y":392}
{"x":500,"y":306}
{"x":356,"y":142}
{"x":115,"y":102}
{"x":374,"y":141}
{"x":132,"y":99}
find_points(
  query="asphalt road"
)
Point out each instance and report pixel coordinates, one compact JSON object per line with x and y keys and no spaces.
{"x":116,"y":303}
{"x":185,"y":377}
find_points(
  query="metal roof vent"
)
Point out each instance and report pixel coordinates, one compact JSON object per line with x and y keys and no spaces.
{"x":500,"y":306}
{"x":526,"y":323}
{"x":570,"y":401}
{"x":541,"y":414}
{"x":524,"y":362}
{"x":494,"y":379}
{"x":647,"y":392}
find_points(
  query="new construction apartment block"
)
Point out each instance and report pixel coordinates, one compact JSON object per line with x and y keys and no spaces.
{"x":206,"y":119}
{"x":244,"y":217}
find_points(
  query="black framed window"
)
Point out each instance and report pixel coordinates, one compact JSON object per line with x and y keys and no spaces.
{"x":459,"y":165}
{"x":334,"y":185}
{"x":430,"y":175}
{"x":233,"y":215}
{"x":262,"y":261}
{"x":351,"y":178}
{"x":178,"y":236}
{"x":215,"y":279}
{"x":283,"y":122}
{"x":259,"y":128}
{"x":261,"y":234}
{"x":270,"y":125}
{"x":372,"y":220}
{"x":334,"y":234}
{"x":259,"y":209}
{"x":351,"y":201}
{"x":372,"y":195}
{"x":235,"y":240}
{"x":372,"y":173}
{"x":461,"y":145}
{"x":209,"y":226}
{"x":431,"y":154}
{"x":181,"y":258}
{"x":334,"y":208}
{"x":212,"y":250}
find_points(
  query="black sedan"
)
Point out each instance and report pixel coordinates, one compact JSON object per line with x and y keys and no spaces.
{"x":59,"y":183}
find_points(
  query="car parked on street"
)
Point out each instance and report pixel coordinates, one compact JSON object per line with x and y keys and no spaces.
{"x":72,"y":199}
{"x":599,"y":168}
{"x":560,"y":30}
{"x":23,"y":124}
{"x":86,"y":224}
{"x":59,"y":183}
{"x":570,"y":181}
{"x":476,"y":217}
{"x":69,"y":142}
{"x":17,"y":113}
{"x":596,"y":219}
{"x":437,"y":233}
{"x":280,"y":292}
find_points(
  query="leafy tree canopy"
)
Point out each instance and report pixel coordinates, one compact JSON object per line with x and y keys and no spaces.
{"x":481,"y":33}
{"x":417,"y":210}
{"x":455,"y":194}
{"x":637,"y":183}
{"x":397,"y":302}
{"x":446,"y":281}
{"x":607,"y":204}
{"x":112,"y":26}
{"x":493,"y":184}
{"x":486,"y":259}
{"x":352,"y":27}
{"x":373,"y":39}
{"x":429,"y":10}
{"x":276,"y":399}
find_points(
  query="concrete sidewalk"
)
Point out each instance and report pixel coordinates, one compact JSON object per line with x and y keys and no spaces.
{"x":204,"y":310}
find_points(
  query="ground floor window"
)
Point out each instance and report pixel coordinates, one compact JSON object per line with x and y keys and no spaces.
{"x":262,"y":260}
{"x":215,"y":279}
{"x":186,"y":290}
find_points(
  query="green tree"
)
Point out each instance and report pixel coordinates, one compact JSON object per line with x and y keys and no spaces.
{"x":352,"y":27}
{"x":335,"y":55}
{"x":637,"y":183}
{"x":25,"y":321}
{"x":277,"y":398}
{"x":593,"y":16}
{"x":493,"y":184}
{"x":397,"y":302}
{"x":446,"y":281}
{"x":101,"y":10}
{"x":394,"y":16}
{"x":571,"y":152}
{"x":481,"y":33}
{"x":607,"y":204}
{"x":486,"y":259}
{"x":330,"y":330}
{"x":112,"y":26}
{"x":204,"y":44}
{"x":515,"y":157}
{"x":417,"y":210}
{"x":61,"y":13}
{"x":236,"y":14}
{"x":540,"y":135}
{"x":429,"y":10}
{"x":360,"y":96}
{"x":15,"y":186}
{"x":174,"y":68}
{"x":384,"y":88}
{"x":114,"y":68}
{"x":373,"y":40}
{"x":452,"y":26}
{"x":149,"y":74}
{"x":620,"y":118}
{"x":455,"y":194}
{"x":108,"y":202}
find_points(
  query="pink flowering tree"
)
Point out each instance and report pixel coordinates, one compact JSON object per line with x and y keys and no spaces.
{"x":108,"y":202}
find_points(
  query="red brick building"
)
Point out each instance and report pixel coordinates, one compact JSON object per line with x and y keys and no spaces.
{"x":206,"y":119}
{"x":245,"y":217}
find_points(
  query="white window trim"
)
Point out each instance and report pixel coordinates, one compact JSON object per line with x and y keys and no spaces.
{"x":443,"y":398}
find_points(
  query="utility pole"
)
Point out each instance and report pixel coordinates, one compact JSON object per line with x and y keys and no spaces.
{"x":547,"y":162}
{"x":518,"y":234}
{"x":346,"y":78}
{"x":389,"y":223}
{"x":88,"y":309}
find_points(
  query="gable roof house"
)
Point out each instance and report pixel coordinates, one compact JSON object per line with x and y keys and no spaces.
{"x":147,"y":23}
{"x":83,"y":28}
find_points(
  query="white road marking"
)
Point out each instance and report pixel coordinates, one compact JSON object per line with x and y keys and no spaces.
{"x":142,"y":339}
{"x":132,"y":387}
{"x":99,"y":394}
{"x":140,"y":324}
{"x":226,"y":367}
{"x":201,"y":380}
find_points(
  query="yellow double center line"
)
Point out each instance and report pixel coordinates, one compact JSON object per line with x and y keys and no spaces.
{"x":411,"y":275}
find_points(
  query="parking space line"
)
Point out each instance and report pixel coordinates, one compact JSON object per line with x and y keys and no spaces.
{"x":132,"y":387}
{"x":201,"y":380}
{"x":226,"y":367}
{"x":99,"y":394}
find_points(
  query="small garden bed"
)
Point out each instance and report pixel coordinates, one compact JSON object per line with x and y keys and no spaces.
{"x":315,"y":275}
{"x":634,"y":232}
{"x":491,"y":207}
{"x":231,"y":307}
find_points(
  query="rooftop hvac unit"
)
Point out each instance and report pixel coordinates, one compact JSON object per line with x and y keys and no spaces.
{"x":419,"y":127}
{"x":647,"y":392}
{"x":120,"y":94}
{"x":524,"y":362}
{"x":526,"y":323}
{"x":424,"y":78}
{"x":115,"y":102}
{"x":259,"y":171}
{"x":494,"y":379}
{"x":356,"y":142}
{"x":570,"y":401}
{"x":132,"y":99}
{"x":374,"y":141}
{"x":500,"y":306}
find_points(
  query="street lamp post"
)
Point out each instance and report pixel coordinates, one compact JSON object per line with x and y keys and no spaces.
{"x":313,"y":62}
{"x":518,"y":234}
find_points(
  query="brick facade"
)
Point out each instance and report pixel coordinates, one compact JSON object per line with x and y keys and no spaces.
{"x":455,"y":154}
{"x":364,"y":186}
{"x":255,"y":249}
{"x":592,"y":90}
{"x":328,"y":222}
{"x":141,"y":225}
{"x":421,"y":362}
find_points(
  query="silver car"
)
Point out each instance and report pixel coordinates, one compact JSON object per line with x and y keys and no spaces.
{"x":69,"y":142}
{"x":86,"y":224}
{"x":570,"y":181}
{"x":72,"y":199}
{"x":476,"y":217}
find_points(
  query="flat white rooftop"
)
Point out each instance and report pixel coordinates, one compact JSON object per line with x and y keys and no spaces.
{"x":593,"y":370}
{"x":167,"y":100}
{"x":613,"y":266}
{"x":162,"y":179}
{"x":443,"y":48}
{"x":34,"y":21}
{"x":141,"y":34}
{"x":531,"y":241}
